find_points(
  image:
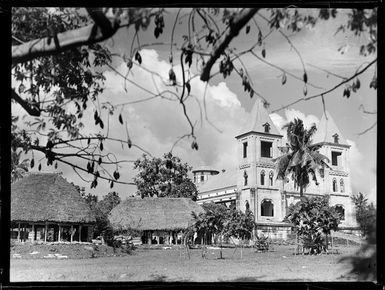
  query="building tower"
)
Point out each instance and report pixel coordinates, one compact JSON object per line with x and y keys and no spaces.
{"x":258,"y":143}
{"x":337,"y":179}
{"x":203,"y":173}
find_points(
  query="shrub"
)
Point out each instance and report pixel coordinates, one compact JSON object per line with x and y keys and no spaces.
{"x":262,"y":243}
{"x":313,"y":218}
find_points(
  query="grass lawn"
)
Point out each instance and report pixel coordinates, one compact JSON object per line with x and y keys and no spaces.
{"x":168,"y":265}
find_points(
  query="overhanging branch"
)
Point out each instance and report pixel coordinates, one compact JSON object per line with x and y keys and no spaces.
{"x":237,"y":24}
{"x":31,"y":110}
{"x":102,"y":29}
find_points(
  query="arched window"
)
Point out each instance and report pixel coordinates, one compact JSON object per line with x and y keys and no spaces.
{"x":271,"y":176}
{"x":262,"y":177}
{"x":342,"y":186}
{"x":334,"y":185}
{"x":340,"y":209}
{"x":267,"y":208}
{"x":245,"y":176}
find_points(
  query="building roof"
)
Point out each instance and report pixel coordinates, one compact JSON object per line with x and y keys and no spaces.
{"x":219,"y":181}
{"x":326,"y":130}
{"x":40,"y":197}
{"x":154,"y":213}
{"x":259,"y":117}
{"x":204,"y":168}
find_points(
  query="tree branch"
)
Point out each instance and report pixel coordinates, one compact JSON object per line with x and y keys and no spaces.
{"x":102,"y":29}
{"x":235,"y":26}
{"x":329,"y":90}
{"x":31,"y":110}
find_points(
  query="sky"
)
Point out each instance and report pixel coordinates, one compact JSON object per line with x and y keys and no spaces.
{"x":156,"y":124}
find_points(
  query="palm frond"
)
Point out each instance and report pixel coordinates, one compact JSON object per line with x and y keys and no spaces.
{"x":281,"y":164}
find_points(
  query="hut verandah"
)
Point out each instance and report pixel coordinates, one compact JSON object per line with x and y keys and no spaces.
{"x":47,"y":208}
{"x":160,"y":220}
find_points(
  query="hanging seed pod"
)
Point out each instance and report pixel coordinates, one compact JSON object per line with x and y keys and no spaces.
{"x":100,"y":160}
{"x":305,"y":77}
{"x":264,"y":53}
{"x":55,"y":165}
{"x":358,"y":84}
{"x":120,"y":119}
{"x":32,"y":164}
{"x":111,"y":184}
{"x":259,"y":38}
{"x":172,"y":77}
{"x":138,"y":57}
{"x":39,"y":166}
{"x":88,"y":141}
{"x":194,"y":145}
{"x":305,"y":90}
{"x":101,"y":146}
{"x":188,"y":87}
{"x":283,"y":80}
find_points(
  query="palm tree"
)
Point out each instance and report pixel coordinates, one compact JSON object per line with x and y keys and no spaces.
{"x":302,"y":158}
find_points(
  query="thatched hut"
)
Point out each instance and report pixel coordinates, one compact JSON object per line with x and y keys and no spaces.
{"x":160,"y":220}
{"x":46,"y":207}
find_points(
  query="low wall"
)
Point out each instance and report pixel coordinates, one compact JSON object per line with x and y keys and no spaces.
{"x":274,"y":232}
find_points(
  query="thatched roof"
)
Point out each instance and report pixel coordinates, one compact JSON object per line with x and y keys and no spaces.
{"x":41,"y":197}
{"x":154,"y":214}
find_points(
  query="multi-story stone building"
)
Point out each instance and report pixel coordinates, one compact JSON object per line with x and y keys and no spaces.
{"x":252,"y":182}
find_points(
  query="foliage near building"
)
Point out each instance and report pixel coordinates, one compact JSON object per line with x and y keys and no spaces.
{"x":164,"y":177}
{"x":364,"y":262}
{"x":313,"y":219}
{"x":223,"y":222}
{"x":102,"y":209}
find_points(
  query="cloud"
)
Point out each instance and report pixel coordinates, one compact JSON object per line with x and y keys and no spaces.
{"x":290,"y":115}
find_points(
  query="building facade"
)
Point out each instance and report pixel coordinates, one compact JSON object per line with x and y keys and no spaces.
{"x":252,"y":182}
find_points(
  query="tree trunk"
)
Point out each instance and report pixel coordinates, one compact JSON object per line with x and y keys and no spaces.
{"x":241,"y":249}
{"x":300,"y":191}
{"x":221,"y":257}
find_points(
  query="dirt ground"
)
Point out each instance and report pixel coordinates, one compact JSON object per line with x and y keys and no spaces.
{"x":173,"y":265}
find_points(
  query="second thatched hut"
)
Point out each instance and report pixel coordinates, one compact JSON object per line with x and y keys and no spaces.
{"x":159,"y":220}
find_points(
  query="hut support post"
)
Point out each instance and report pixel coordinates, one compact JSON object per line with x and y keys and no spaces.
{"x":59,"y":238}
{"x":45,"y":232}
{"x":149,"y":238}
{"x":80,"y":233}
{"x":18,"y":232}
{"x":33,"y":231}
{"x":72,"y":233}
